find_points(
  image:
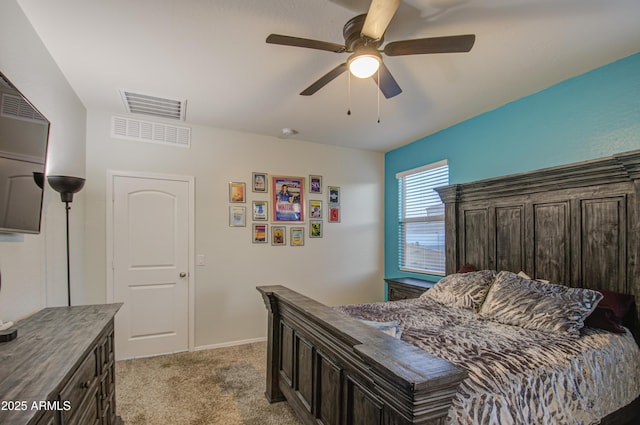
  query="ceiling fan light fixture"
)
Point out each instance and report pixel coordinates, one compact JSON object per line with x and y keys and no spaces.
{"x":364,"y":65}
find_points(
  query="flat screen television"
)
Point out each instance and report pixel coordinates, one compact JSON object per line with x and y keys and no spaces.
{"x":24,"y":135}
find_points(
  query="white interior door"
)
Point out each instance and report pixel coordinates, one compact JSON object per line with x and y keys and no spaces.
{"x":150,"y":257}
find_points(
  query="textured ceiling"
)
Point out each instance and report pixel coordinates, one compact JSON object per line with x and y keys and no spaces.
{"x":213,"y":54}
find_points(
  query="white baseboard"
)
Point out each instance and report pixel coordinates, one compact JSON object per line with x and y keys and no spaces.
{"x":203,"y":347}
{"x":146,"y":356}
{"x":229,"y":344}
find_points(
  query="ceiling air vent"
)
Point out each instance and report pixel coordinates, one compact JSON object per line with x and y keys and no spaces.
{"x":137,"y":103}
{"x":146,"y":131}
{"x":17,"y":108}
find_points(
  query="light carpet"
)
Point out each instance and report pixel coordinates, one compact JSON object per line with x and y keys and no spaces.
{"x":221,"y":386}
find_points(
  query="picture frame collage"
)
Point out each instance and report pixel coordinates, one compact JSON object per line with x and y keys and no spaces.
{"x":285,"y":210}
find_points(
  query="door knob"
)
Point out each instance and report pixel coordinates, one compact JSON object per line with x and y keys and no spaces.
{"x":183,"y":274}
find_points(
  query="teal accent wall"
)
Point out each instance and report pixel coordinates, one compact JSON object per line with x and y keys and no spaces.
{"x":590,"y":116}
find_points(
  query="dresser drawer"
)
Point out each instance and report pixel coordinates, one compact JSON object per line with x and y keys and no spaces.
{"x":83,"y":383}
{"x":88,"y":413}
{"x":108,"y":414}
{"x":400,"y":293}
{"x":106,"y":352}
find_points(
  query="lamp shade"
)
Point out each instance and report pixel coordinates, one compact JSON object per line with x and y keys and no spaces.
{"x":66,"y":186}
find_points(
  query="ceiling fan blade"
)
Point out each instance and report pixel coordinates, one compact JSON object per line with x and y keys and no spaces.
{"x":324,"y":80}
{"x":305,"y":42}
{"x":448,"y":44}
{"x":388,"y":85}
{"x":378,"y":18}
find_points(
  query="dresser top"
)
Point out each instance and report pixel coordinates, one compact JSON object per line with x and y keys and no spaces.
{"x":419,"y":283}
{"x":49,"y":345}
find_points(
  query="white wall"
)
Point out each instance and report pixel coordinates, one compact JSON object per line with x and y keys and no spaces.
{"x":34,"y":266}
{"x":345,"y":266}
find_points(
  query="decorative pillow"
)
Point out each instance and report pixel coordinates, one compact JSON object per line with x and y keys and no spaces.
{"x":462,"y":290}
{"x":610,"y":311}
{"x":603,"y":318}
{"x":390,"y":328}
{"x":547,"y":307}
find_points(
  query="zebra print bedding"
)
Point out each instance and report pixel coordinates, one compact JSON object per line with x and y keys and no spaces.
{"x":517,"y":375}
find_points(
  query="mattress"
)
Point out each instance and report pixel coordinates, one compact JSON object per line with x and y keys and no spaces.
{"x":516,"y":375}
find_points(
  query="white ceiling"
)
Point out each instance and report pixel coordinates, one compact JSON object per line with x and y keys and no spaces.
{"x":213,"y":54}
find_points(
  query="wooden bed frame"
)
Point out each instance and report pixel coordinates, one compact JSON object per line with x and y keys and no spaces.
{"x":577,"y":224}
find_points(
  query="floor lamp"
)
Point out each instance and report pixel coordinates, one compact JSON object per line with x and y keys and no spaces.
{"x":66,"y":186}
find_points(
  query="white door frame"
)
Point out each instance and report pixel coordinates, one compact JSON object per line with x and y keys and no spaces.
{"x":111,"y":174}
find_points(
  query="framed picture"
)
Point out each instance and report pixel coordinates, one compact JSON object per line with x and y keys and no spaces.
{"x":237,"y":216}
{"x":260,"y":210}
{"x":334,"y":214}
{"x":315,"y":209}
{"x":334,"y":195}
{"x":260,"y":233}
{"x":315,"y":184}
{"x":259,"y":182}
{"x":278,"y":235}
{"x":287,"y":194}
{"x":237,"y":192}
{"x":315,"y":228}
{"x":297,"y":236}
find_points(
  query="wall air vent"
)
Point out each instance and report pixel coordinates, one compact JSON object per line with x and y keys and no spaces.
{"x":137,"y":103}
{"x":17,"y":108}
{"x":146,"y":131}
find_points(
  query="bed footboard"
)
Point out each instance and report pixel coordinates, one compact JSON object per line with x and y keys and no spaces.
{"x":334,"y":370}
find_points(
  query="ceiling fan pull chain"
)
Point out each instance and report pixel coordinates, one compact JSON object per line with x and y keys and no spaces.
{"x":349,"y":94}
{"x":378,"y":91}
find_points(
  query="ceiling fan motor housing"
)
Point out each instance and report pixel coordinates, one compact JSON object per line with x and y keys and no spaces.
{"x":353,"y":38}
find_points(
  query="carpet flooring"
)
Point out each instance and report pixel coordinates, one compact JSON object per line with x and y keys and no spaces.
{"x":221,"y":386}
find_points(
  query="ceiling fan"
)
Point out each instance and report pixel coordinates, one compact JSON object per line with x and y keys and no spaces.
{"x":363,"y":35}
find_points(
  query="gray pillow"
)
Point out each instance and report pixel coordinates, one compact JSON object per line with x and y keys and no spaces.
{"x":462,"y":290}
{"x":530,"y":304}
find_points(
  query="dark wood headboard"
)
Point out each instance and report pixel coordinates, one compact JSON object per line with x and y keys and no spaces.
{"x":576,"y":224}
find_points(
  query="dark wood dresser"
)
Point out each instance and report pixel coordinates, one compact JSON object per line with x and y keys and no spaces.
{"x":402,"y":288}
{"x":61,"y":368}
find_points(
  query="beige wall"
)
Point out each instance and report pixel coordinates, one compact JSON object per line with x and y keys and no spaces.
{"x":344,"y":266}
{"x":34,"y":266}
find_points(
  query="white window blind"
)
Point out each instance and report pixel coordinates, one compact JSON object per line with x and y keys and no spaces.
{"x":421,"y":212}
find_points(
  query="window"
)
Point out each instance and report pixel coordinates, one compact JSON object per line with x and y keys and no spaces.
{"x":421,"y":213}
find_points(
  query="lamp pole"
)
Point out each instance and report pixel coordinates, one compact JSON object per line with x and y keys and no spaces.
{"x":67,"y":186}
{"x":67,"y":208}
